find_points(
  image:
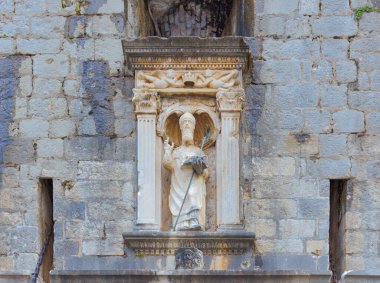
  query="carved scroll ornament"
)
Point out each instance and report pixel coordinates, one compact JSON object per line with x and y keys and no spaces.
{"x":146,"y":101}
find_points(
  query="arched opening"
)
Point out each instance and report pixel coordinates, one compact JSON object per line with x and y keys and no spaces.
{"x":200,"y":18}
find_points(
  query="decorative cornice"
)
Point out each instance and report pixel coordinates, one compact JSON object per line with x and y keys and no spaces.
{"x":210,"y":243}
{"x":145,"y":100}
{"x":188,"y":53}
{"x":230,"y":100}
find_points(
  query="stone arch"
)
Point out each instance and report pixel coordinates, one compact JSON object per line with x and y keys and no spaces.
{"x":168,"y":126}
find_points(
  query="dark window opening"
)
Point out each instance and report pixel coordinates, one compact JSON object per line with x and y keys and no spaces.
{"x":46,"y":223}
{"x":338,"y":196}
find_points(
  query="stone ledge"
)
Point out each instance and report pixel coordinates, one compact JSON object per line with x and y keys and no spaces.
{"x":186,"y":53}
{"x":200,"y":276}
{"x":210,"y":243}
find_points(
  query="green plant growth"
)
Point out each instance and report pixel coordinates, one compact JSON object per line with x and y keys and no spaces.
{"x":365,"y":9}
{"x":139,"y":254}
{"x":77,"y":8}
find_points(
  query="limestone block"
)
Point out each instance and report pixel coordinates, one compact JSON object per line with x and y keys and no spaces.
{"x":355,"y":262}
{"x":313,"y":208}
{"x":370,"y":23}
{"x":50,"y":148}
{"x":323,"y":229}
{"x":318,"y":70}
{"x":124,"y":127}
{"x":108,"y":170}
{"x":346,"y":71}
{"x":29,"y":8}
{"x":364,"y":45}
{"x":26,"y":261}
{"x":333,"y":96}
{"x":87,"y":127}
{"x":264,"y":228}
{"x":284,"y":71}
{"x":38,"y":107}
{"x":19,"y":151}
{"x":20,"y":108}
{"x":317,"y":121}
{"x":71,"y":88}
{"x":333,"y":145}
{"x":80,"y":49}
{"x":26,"y":85}
{"x":58,"y":108}
{"x":61,"y":128}
{"x":108,"y":246}
{"x":375,"y":80}
{"x":264,"y":166}
{"x":354,"y":242}
{"x":110,"y":50}
{"x":290,"y":120}
{"x":363,"y":81}
{"x":108,"y":210}
{"x":57,"y":168}
{"x":111,"y":7}
{"x":48,"y":27}
{"x":364,"y":100}
{"x":330,"y":168}
{"x":309,"y":7}
{"x":280,"y":7}
{"x":53,"y":6}
{"x":296,"y":229}
{"x":70,"y":210}
{"x":66,"y":247}
{"x":368,"y":62}
{"x":108,"y":25}
{"x":331,"y":26}
{"x":373,"y":123}
{"x":16,"y":26}
{"x":7,"y":45}
{"x":336,"y":7}
{"x":297,"y":27}
{"x":273,"y":208}
{"x":373,"y":169}
{"x":285,"y":188}
{"x":271,"y":25}
{"x":34,"y":128}
{"x":348,"y":121}
{"x":335,"y":48}
{"x":6,"y":7}
{"x":280,"y":246}
{"x":316,"y":247}
{"x":6,"y":262}
{"x":24,"y":239}
{"x":360,"y":3}
{"x":50,"y":66}
{"x":370,"y":220}
{"x":298,"y":48}
{"x":353,"y":220}
{"x":89,"y":148}
{"x":46,"y":88}
{"x":38,"y":46}
{"x":10,"y":219}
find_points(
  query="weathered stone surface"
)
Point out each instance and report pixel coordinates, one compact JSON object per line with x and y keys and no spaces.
{"x":309,"y":7}
{"x":348,"y":121}
{"x":346,"y":71}
{"x":34,"y":128}
{"x":51,"y":66}
{"x":297,"y":229}
{"x":331,"y":26}
{"x":333,"y":145}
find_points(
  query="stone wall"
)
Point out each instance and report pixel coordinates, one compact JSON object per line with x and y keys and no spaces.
{"x":312,"y":113}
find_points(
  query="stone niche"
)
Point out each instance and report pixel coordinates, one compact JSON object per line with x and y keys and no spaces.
{"x":204,"y":77}
{"x":200,"y":18}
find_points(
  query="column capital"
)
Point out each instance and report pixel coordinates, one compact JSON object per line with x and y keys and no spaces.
{"x":146,"y":101}
{"x":230,"y":100}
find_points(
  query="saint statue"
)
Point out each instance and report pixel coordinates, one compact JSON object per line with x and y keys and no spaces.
{"x":183,"y":162}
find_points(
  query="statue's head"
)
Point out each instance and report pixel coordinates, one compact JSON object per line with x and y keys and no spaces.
{"x":187,"y":125}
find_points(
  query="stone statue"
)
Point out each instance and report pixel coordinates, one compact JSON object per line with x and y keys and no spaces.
{"x":206,"y":18}
{"x":182,"y":162}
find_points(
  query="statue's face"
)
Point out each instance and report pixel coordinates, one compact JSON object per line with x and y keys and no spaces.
{"x":188,"y":131}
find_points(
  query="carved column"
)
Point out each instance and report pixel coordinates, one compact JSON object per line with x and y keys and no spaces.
{"x":230,"y":105}
{"x":148,"y":160}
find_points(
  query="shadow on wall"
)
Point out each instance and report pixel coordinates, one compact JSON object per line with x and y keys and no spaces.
{"x":98,"y":94}
{"x":9,"y":67}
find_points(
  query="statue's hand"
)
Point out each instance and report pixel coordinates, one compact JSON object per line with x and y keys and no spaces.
{"x":167,"y":147}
